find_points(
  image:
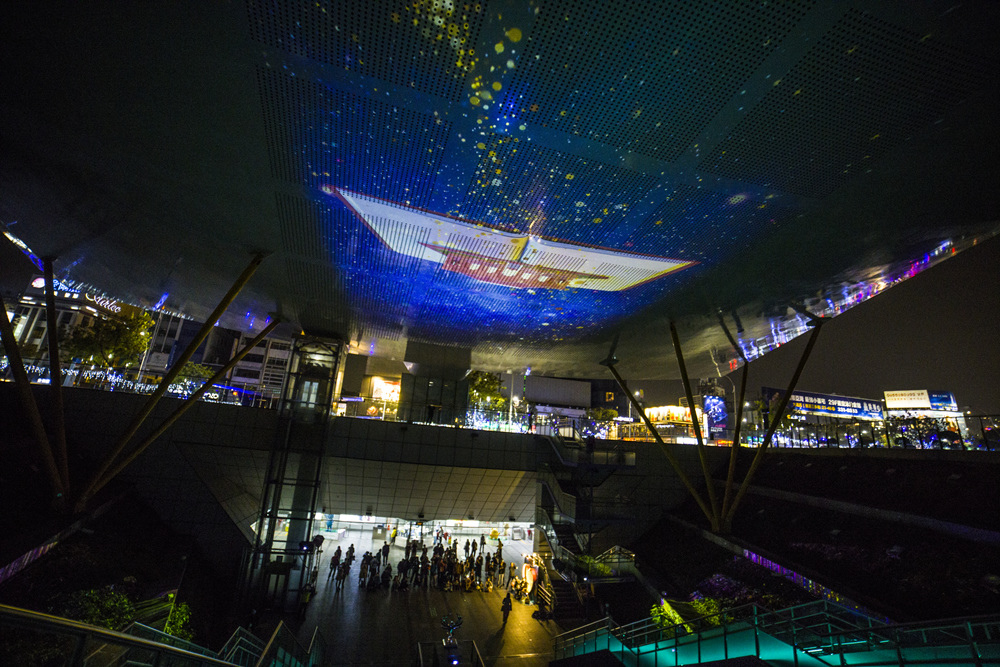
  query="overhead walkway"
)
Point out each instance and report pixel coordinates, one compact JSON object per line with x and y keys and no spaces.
{"x":44,"y":639}
{"x":817,"y":633}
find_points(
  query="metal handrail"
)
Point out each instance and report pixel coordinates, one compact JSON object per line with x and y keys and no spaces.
{"x":33,"y":620}
{"x":799,"y":624}
{"x":932,"y":625}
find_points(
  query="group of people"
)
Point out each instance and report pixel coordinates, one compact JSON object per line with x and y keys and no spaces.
{"x":443,"y":567}
{"x":341,"y":568}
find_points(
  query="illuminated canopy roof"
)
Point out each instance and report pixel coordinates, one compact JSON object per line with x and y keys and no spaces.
{"x":523,"y":179}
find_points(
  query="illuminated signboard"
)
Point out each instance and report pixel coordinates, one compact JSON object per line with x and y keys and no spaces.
{"x":673,"y":414}
{"x":716,"y":414}
{"x":917,"y":399}
{"x":846,"y":407}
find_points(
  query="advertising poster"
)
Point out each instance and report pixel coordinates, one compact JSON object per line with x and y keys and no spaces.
{"x":844,"y":407}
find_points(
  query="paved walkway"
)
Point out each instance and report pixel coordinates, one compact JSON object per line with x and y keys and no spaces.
{"x":384,"y":628}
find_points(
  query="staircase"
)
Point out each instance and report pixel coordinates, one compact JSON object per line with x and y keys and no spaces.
{"x":568,"y":612}
{"x":567,"y":538}
{"x":70,"y":644}
{"x":817,"y":633}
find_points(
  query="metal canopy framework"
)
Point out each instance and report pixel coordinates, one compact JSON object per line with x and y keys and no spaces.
{"x":523,"y":179}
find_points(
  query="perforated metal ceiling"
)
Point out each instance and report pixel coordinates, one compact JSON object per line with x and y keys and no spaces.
{"x":864,"y":88}
{"x":643,"y":76}
{"x":525,"y":179}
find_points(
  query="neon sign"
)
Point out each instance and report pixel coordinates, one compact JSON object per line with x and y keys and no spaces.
{"x":104,"y":302}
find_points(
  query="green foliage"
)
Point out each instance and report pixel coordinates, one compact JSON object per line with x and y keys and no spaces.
{"x":710,"y":609}
{"x":179,"y":621}
{"x":602,"y":414}
{"x":665,"y":616}
{"x":193,"y":371}
{"x":484,"y":391}
{"x":592,"y":567}
{"x":110,"y":342}
{"x":103,"y":607}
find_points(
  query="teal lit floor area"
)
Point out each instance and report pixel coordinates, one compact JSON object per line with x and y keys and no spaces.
{"x":381,"y":627}
{"x":817,"y":633}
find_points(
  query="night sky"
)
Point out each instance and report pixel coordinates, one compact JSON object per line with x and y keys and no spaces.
{"x":938,"y":330}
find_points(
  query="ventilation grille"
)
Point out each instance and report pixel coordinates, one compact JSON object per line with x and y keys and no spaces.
{"x":539,"y":191}
{"x":866,"y":87}
{"x":422,"y":44}
{"x":644,"y":76}
{"x":319,"y":137}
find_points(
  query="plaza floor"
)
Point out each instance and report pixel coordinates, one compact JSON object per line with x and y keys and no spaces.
{"x":383,"y":627}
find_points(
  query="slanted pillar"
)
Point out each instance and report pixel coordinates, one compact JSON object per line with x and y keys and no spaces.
{"x":57,"y":415}
{"x":30,"y":407}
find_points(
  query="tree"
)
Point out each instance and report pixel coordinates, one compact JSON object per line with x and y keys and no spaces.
{"x":195,"y":372}
{"x":602,"y":414}
{"x":113,"y":341}
{"x":484,"y":390}
{"x":103,"y":607}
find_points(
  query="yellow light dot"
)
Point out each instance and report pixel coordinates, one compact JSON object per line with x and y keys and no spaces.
{"x":876,"y":137}
{"x":514,"y":35}
{"x":474,"y":100}
{"x":497,"y":85}
{"x":777,"y":81}
{"x":596,"y":220}
{"x":569,"y":177}
{"x":797,"y":92}
{"x":480,"y":145}
{"x":498,"y":47}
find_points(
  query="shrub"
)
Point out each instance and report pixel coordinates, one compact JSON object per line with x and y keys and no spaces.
{"x":103,"y":607}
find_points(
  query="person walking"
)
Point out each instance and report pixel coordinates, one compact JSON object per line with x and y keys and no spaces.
{"x":505,"y":607}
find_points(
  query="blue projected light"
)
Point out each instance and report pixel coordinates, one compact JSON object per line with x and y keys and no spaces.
{"x":472,"y":276}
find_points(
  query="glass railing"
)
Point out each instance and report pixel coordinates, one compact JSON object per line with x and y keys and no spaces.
{"x":284,"y":650}
{"x":28,"y":637}
{"x":822,"y":630}
{"x":244,"y":648}
{"x":983,"y":431}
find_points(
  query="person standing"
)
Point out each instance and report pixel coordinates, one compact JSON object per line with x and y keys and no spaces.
{"x":505,"y":607}
{"x":474,"y":545}
{"x":467,"y":547}
{"x":510,"y":574}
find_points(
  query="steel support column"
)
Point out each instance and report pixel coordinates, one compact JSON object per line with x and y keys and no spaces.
{"x":709,"y":484}
{"x":57,"y":415}
{"x":23,"y":388}
{"x":188,"y":403}
{"x":171,"y":375}
{"x":663,"y":446}
{"x":737,"y":432}
{"x":759,"y":456}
